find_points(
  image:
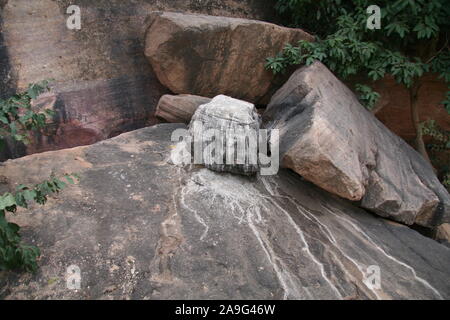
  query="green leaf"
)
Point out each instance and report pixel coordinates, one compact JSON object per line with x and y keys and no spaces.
{"x":33,"y":92}
{"x":13,"y":253}
{"x":7,"y":200}
{"x":21,"y":187}
{"x":50,"y":112}
{"x":59,"y":184}
{"x":18,"y":137}
{"x":29,"y":195}
{"x":4,"y":120}
{"x":69,"y":179}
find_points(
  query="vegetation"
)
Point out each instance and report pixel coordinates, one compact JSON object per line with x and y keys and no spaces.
{"x":413,"y":39}
{"x":17,"y":120}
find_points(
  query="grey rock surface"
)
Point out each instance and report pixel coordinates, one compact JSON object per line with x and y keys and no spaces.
{"x":141,"y":228}
{"x":327,"y":137}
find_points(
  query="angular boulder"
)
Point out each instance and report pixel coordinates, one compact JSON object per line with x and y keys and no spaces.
{"x":233,"y":125}
{"x":141,"y":228}
{"x":334,"y":142}
{"x":208,"y":56}
{"x":179,"y":108}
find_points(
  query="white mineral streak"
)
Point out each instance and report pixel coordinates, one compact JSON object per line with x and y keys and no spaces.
{"x":196,"y":215}
{"x":250,"y":206}
{"x":326,"y":231}
{"x":302,"y":237}
{"x":377,"y":247}
{"x":236,"y":198}
{"x":290,"y":286}
{"x":247,"y":205}
{"x":342,"y":216}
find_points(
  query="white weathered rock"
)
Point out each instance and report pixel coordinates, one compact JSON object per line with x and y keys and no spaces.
{"x":235,"y":125}
{"x":334,"y":142}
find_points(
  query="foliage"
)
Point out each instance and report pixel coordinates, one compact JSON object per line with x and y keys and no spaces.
{"x":413,"y":39}
{"x":13,"y":253}
{"x":446,"y":180}
{"x":367,"y":96}
{"x":17,"y":119}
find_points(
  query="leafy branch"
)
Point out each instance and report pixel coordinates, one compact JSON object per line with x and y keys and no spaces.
{"x":17,"y":119}
{"x":13,"y":253}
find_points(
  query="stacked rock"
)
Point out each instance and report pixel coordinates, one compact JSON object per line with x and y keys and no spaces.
{"x":225,"y":135}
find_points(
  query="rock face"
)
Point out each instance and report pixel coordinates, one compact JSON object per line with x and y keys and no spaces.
{"x":395,"y":108}
{"x":140,"y":228}
{"x":233,"y":125}
{"x":87,"y":115}
{"x":395,"y":111}
{"x":331,"y":140}
{"x":208,"y":56}
{"x":103,"y":84}
{"x":179,"y":108}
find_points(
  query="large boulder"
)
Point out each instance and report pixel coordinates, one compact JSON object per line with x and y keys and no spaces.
{"x":141,"y":228}
{"x":334,"y":142}
{"x":179,"y":108}
{"x":208,"y":56}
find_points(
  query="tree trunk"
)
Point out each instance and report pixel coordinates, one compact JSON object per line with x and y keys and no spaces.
{"x":420,"y":145}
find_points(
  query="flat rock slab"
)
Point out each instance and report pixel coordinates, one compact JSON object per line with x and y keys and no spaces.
{"x":141,"y":228}
{"x":331,"y":140}
{"x":208,"y":56}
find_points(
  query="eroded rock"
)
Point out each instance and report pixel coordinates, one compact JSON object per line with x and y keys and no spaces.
{"x":208,"y":56}
{"x":332,"y":141}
